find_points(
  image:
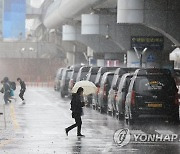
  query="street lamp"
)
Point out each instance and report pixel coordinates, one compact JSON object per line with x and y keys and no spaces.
{"x":21,"y":51}
{"x":140,"y":56}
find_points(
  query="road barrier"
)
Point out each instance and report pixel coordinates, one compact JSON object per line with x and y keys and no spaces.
{"x":40,"y":84}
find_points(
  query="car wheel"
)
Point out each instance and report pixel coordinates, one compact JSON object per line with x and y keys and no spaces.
{"x":62,"y":95}
{"x":121,"y":116}
{"x":175,"y":118}
{"x":130,"y":119}
{"x":110,"y":113}
{"x":102,"y":110}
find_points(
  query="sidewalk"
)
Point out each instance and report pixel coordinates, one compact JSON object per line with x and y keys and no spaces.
{"x":6,"y":124}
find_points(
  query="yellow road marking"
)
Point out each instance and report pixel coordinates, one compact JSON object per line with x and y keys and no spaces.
{"x":13,"y":117}
{"x":16,"y":126}
{"x":6,"y":142}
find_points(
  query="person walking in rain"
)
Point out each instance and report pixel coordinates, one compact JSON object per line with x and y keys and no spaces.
{"x":77,"y":111}
{"x":6,"y":90}
{"x":22,"y":90}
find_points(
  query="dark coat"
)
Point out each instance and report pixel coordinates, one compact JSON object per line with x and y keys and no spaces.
{"x":76,"y":105}
{"x":6,"y":87}
{"x":23,"y":86}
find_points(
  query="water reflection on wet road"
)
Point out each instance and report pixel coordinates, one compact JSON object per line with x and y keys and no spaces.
{"x":41,"y":121}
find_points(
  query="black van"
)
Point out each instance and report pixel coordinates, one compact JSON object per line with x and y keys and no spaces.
{"x":120,"y":96}
{"x":65,"y":82}
{"x":105,"y":85}
{"x":73,"y":77}
{"x":57,"y":81}
{"x":99,"y":75}
{"x":114,"y":88}
{"x":82,"y":74}
{"x":91,"y":76}
{"x":152,"y":93}
{"x":111,"y":94}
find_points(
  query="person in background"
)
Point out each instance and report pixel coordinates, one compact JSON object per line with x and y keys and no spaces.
{"x":77,"y":111}
{"x":22,"y":90}
{"x":6,"y":90}
{"x":12,"y":97}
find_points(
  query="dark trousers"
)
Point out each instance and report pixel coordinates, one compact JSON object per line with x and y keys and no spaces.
{"x":6,"y":97}
{"x":77,"y":124}
{"x":21,"y":95}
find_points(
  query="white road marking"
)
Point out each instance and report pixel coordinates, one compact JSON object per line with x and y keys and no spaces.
{"x":164,"y":132}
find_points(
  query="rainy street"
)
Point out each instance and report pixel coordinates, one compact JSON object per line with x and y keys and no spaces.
{"x":38,"y":128}
{"x":119,"y":61}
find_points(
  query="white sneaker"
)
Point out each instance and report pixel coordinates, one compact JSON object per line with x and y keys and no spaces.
{"x":23,"y":102}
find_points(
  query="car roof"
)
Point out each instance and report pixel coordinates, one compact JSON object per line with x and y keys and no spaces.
{"x":102,"y":70}
{"x":84,"y":68}
{"x":152,"y":71}
{"x":94,"y":70}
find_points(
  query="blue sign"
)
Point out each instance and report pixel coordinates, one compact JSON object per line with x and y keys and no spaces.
{"x":151,"y":58}
{"x":14,"y":18}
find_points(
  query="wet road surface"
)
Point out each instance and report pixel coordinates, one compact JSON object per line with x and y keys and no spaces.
{"x":38,"y":128}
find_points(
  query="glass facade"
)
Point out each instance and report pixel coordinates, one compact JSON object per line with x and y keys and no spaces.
{"x":1,"y":17}
{"x":14,"y":18}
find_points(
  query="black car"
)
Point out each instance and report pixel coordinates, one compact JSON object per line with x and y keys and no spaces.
{"x":82,"y":74}
{"x":91,"y":76}
{"x":152,"y":93}
{"x":99,"y":75}
{"x":105,"y":85}
{"x":114,"y":87}
{"x":120,"y":95}
{"x":73,"y":77}
{"x":65,"y":82}
{"x":57,"y":81}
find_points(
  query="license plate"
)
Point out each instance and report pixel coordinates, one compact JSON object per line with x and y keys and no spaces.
{"x":155,"y":105}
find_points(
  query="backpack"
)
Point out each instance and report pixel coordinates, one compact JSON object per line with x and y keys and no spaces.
{"x":13,"y":85}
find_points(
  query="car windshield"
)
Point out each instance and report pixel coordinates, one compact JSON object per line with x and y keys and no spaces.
{"x":74,"y":76}
{"x":92,"y":78}
{"x":83,"y":75}
{"x":68,"y":74}
{"x":154,"y":84}
{"x":107,"y":80}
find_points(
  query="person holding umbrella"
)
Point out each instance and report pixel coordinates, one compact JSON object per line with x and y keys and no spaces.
{"x":77,"y":111}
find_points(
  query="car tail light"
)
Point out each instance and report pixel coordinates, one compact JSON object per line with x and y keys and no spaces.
{"x":71,"y":84}
{"x":176,"y":99}
{"x":115,"y":95}
{"x":133,"y":95}
{"x":98,"y":89}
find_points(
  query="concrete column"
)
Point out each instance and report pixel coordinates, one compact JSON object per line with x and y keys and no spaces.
{"x":130,"y":11}
{"x":68,"y":33}
{"x":70,"y":58}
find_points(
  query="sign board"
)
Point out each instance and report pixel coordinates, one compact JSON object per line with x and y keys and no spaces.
{"x":151,"y":58}
{"x":150,"y":42}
